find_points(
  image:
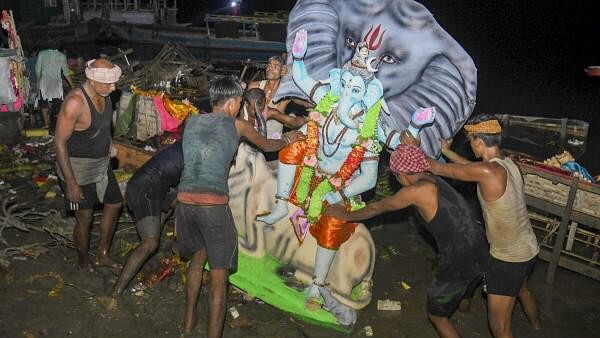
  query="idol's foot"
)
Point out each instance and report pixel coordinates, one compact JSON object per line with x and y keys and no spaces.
{"x":312,"y":300}
{"x":344,"y":315}
{"x":279,"y":212}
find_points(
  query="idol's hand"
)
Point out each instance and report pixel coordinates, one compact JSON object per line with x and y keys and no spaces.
{"x":300,"y":44}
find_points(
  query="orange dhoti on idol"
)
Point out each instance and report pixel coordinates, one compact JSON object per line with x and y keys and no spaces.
{"x":330,"y":232}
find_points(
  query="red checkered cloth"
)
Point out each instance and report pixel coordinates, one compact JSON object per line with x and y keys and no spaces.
{"x":408,"y":158}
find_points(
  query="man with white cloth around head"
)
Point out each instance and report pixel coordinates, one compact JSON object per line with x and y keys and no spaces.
{"x":83,"y":144}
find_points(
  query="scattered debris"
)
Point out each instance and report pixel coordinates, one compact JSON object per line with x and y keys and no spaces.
{"x":234,"y":312}
{"x":14,"y":215}
{"x":125,"y":247}
{"x":368,"y":330}
{"x":405,"y":286}
{"x":55,"y":291}
{"x":389,"y":305}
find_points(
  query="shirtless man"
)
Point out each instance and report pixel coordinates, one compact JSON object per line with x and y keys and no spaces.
{"x":513,"y":245}
{"x":83,"y":143}
{"x":275,"y":112}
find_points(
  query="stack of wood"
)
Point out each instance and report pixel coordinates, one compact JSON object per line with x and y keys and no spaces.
{"x":173,"y":64}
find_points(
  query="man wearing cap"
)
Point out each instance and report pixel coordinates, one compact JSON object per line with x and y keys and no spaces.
{"x":83,"y":143}
{"x":513,"y":245}
{"x":448,"y":218}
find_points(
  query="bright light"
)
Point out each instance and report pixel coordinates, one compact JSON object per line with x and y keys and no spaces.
{"x":234,"y":4}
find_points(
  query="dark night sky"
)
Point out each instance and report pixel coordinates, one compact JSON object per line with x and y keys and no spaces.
{"x":530,"y":55}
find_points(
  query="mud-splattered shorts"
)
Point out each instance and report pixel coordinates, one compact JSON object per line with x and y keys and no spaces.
{"x":443,"y":298}
{"x":211,"y":227}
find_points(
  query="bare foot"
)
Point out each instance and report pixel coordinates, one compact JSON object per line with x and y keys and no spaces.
{"x":536,"y":324}
{"x":106,"y":261}
{"x":190,"y":324}
{"x":85,"y":264}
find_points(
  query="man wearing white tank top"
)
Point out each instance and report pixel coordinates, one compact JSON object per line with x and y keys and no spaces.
{"x":274,"y":113}
{"x":513,"y":245}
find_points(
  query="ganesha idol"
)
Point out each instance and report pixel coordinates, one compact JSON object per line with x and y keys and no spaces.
{"x":337,"y":161}
{"x":372,"y":68}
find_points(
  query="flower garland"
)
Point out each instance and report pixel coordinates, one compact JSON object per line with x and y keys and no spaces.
{"x":365,"y":140}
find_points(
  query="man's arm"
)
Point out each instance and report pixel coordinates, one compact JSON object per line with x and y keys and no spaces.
{"x":246,"y":130}
{"x":451,"y":155}
{"x":38,"y":66}
{"x":65,"y":72}
{"x":65,"y":125}
{"x":470,"y":172}
{"x":279,"y":115}
{"x":400,"y":200}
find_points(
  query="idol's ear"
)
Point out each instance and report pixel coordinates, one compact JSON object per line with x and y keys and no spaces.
{"x":373,"y":93}
{"x":320,"y":19}
{"x":447,"y":86}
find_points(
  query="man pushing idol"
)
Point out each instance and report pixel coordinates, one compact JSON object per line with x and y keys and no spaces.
{"x":336,"y":162}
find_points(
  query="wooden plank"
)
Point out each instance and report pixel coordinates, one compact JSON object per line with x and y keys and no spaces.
{"x":562,"y":231}
{"x":555,"y":209}
{"x":556,"y":177}
{"x":571,"y":264}
{"x":131,"y":158}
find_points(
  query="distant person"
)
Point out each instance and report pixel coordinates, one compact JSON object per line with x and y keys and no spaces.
{"x":32,"y":100}
{"x":447,"y":217}
{"x":50,"y":66}
{"x":513,"y":245}
{"x":204,"y":223}
{"x":274,"y":113}
{"x":83,"y":144}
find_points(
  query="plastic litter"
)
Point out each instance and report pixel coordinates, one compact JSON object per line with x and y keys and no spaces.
{"x":389,"y":305}
{"x":234,"y":312}
{"x":368,"y":331}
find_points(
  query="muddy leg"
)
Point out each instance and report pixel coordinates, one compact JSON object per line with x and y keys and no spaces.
{"x":107,"y":228}
{"x":443,"y":326}
{"x":81,"y":237}
{"x":217,"y":301}
{"x":134,"y":263}
{"x":529,"y":306}
{"x":46,"y":116}
{"x":194,"y":284}
{"x":500,"y":310}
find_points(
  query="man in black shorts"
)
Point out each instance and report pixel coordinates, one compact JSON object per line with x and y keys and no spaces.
{"x":205,"y":226}
{"x":513,"y":245}
{"x":447,"y":217}
{"x":150,"y":191}
{"x":83,"y":143}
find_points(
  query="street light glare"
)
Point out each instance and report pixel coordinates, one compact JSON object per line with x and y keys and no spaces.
{"x":233,"y":3}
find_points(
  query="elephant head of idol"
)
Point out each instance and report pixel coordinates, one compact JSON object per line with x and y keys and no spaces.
{"x":417,"y":63}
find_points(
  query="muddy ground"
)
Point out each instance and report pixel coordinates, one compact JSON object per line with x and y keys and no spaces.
{"x":48,"y":297}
